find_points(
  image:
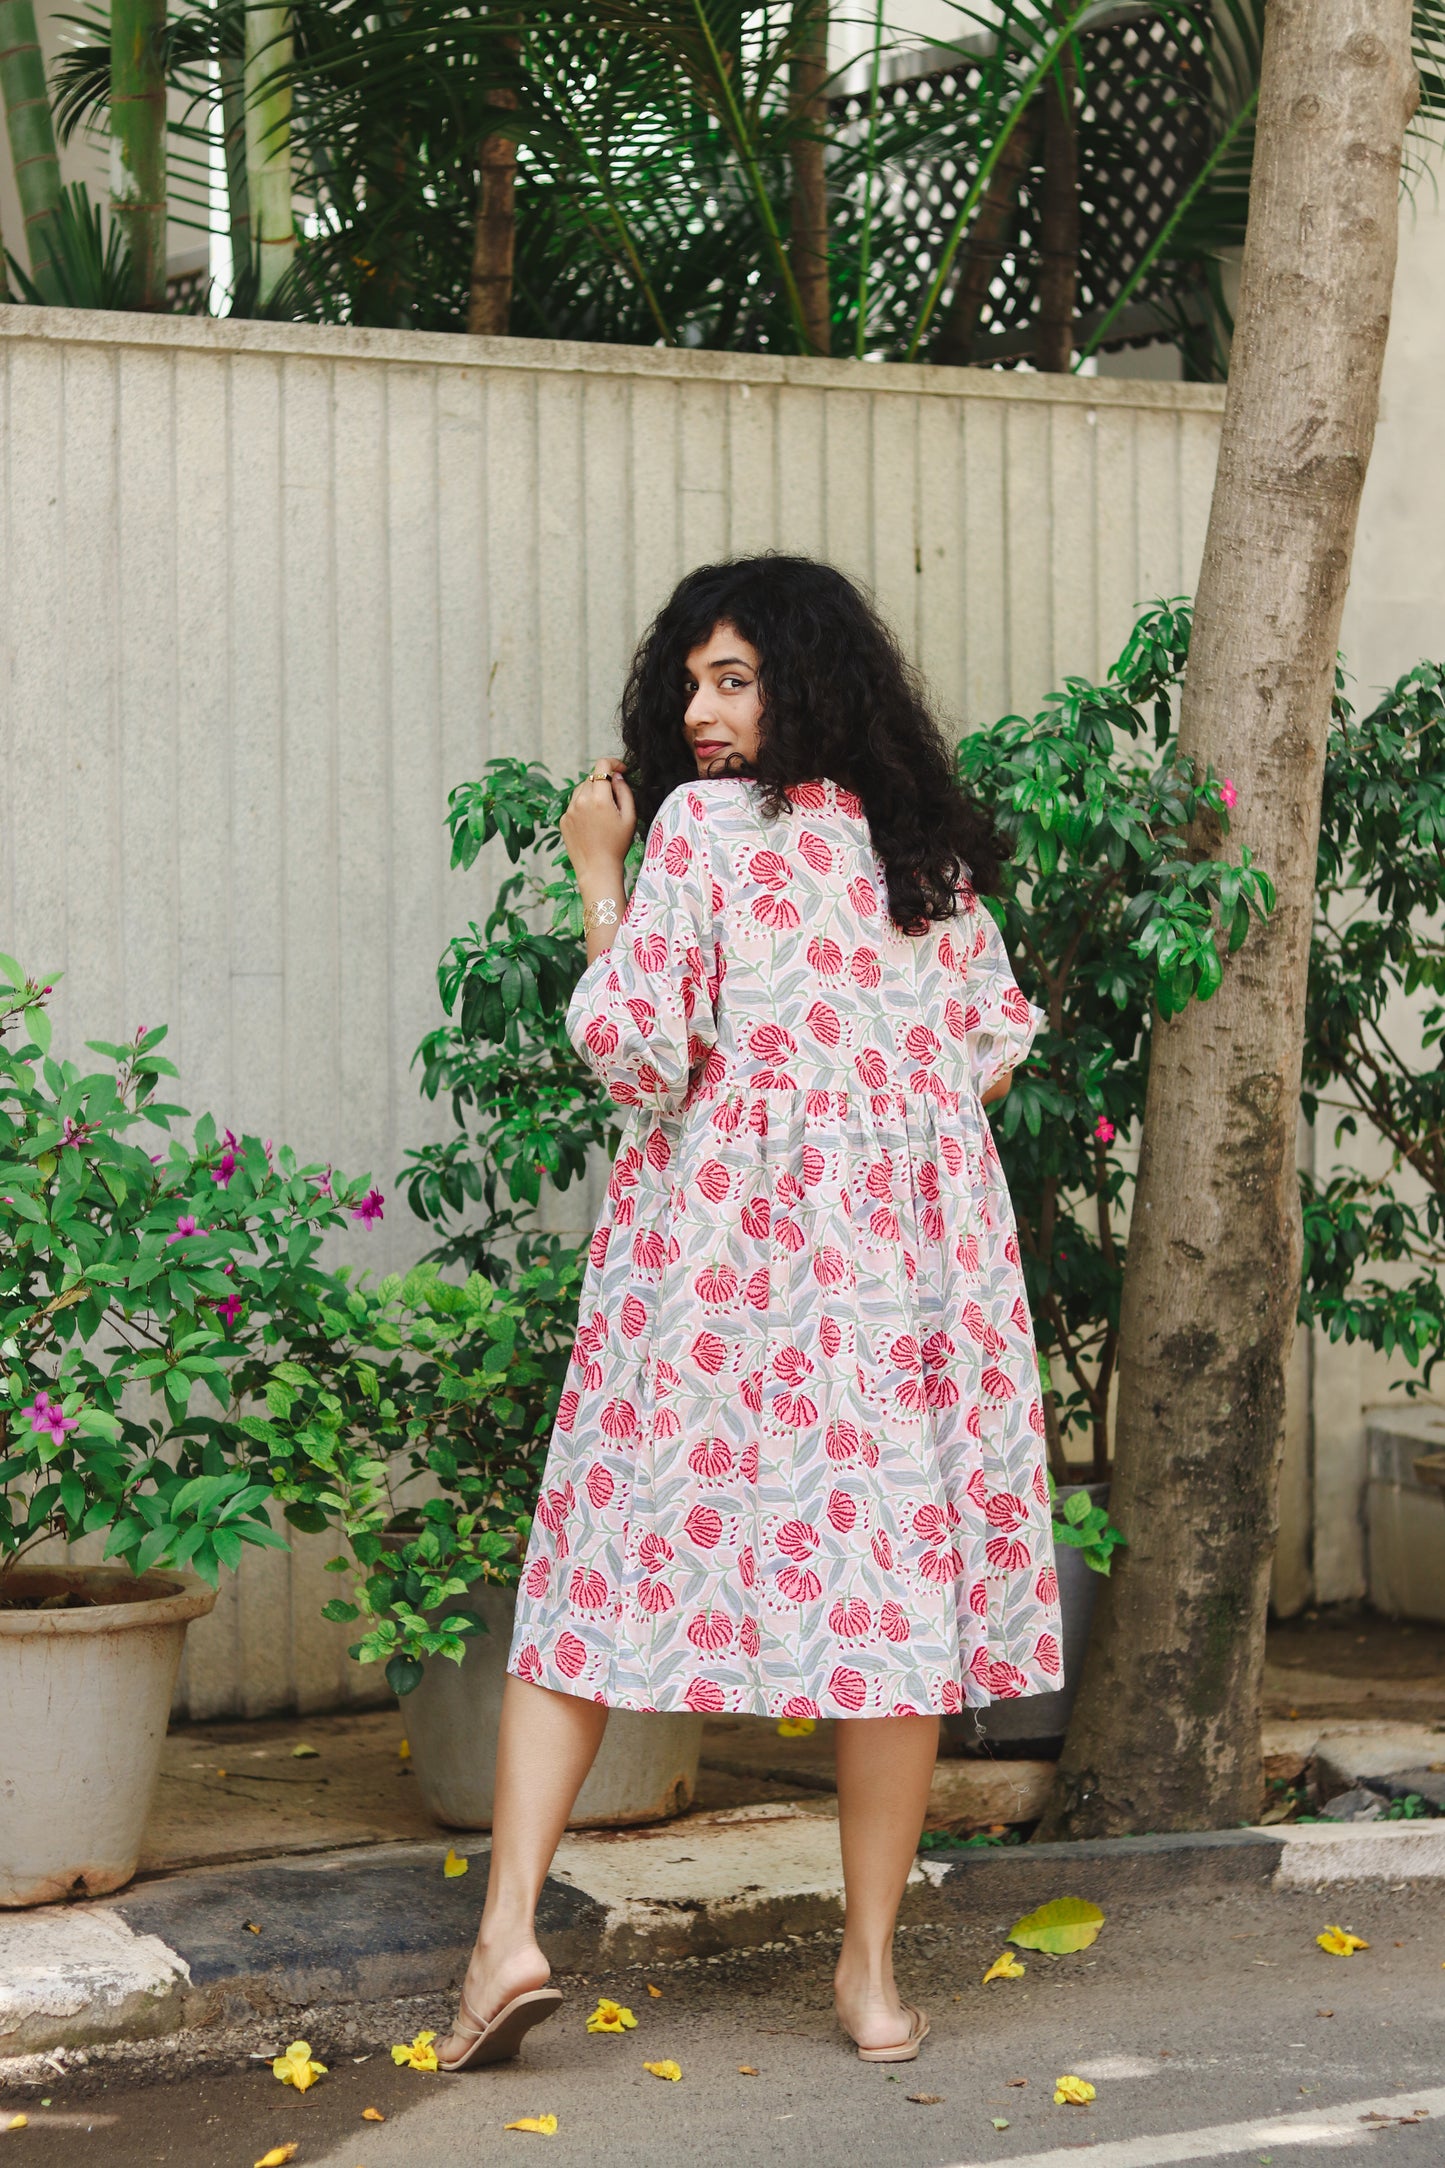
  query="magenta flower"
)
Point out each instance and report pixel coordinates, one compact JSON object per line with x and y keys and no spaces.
{"x":324,"y":1188}
{"x":76,"y":1133}
{"x":48,"y":1414}
{"x":369,"y":1210}
{"x":227,"y":1164}
{"x":1228,"y":792}
{"x":230,"y":1309}
{"x":185,"y":1225}
{"x":1103,"y":1130}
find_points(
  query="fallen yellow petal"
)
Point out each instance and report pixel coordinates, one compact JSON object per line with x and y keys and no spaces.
{"x":670,"y":2071}
{"x":418,"y":2054}
{"x":1005,"y":1967}
{"x":296,"y":2068}
{"x":1077,"y":2092}
{"x":278,"y":2156}
{"x":18,"y":2122}
{"x":747,"y":2070}
{"x":611,"y":2017}
{"x":403,"y":1752}
{"x":796,"y":1727}
{"x":454,"y":1864}
{"x":654,"y":1992}
{"x":252,"y":1927}
{"x":220,"y":1772}
{"x":1340,"y":1944}
{"x":305,"y":1753}
{"x":544,"y":2125}
{"x":372,"y":2115}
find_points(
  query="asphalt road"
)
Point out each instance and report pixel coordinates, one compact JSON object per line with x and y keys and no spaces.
{"x":1210,"y":2032}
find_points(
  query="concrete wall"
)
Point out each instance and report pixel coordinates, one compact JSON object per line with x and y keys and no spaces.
{"x":267,"y":592}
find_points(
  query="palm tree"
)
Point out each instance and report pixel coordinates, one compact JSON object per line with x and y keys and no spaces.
{"x":32,"y":137}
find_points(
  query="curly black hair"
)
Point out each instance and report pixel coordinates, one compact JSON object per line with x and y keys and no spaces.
{"x":839,"y":699}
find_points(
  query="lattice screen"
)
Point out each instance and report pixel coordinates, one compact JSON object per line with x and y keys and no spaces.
{"x":1142,"y":136}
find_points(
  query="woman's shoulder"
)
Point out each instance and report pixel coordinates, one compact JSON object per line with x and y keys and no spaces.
{"x":711,"y":802}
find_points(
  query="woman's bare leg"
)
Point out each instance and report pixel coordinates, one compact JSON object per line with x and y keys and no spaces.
{"x":885,"y":1766}
{"x":546,"y":1743}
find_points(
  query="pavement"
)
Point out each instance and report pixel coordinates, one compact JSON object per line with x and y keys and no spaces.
{"x":1210,"y":2024}
{"x":289,"y":1864}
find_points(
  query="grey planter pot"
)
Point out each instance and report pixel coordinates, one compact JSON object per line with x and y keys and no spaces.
{"x":1039,"y":1721}
{"x":646,"y":1767}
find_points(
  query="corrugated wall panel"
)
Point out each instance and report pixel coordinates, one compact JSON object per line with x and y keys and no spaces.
{"x":268,"y":592}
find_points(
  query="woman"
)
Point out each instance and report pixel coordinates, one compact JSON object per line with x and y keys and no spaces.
{"x":797,"y":1467}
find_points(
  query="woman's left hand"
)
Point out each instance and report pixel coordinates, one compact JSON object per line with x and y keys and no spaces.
{"x":600,"y":821}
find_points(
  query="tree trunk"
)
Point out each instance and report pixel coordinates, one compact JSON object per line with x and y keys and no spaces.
{"x":808,"y":237}
{"x":138,"y":142}
{"x":494,"y":239}
{"x":1058,"y":222}
{"x":1166,"y":1735}
{"x":268,"y":145}
{"x":232,"y":71}
{"x":986,"y":244}
{"x":32,"y":137}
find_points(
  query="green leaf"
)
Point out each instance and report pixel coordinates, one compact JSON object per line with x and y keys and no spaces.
{"x":1063,"y":1925}
{"x":404,"y":1675}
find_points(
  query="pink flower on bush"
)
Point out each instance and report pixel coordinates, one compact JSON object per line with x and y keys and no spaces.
{"x":1103,"y":1131}
{"x":48,"y":1414}
{"x":369,"y":1210}
{"x":185,"y":1225}
{"x":228,"y":1162}
{"x":1228,"y":792}
{"x":230,"y":1309}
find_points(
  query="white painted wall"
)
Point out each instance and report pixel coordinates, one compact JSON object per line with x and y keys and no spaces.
{"x":267,"y":592}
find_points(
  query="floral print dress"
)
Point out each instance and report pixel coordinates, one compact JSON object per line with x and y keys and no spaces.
{"x":798,"y":1463}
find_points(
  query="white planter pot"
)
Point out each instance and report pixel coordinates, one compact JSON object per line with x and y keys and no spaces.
{"x":646,"y":1767}
{"x":85,"y":1697}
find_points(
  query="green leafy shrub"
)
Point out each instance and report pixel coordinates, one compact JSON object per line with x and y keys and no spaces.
{"x":183,"y":1272}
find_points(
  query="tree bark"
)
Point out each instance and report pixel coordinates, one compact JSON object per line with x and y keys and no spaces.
{"x":1166,"y":1734}
{"x":987,"y":242}
{"x":808,"y":236}
{"x":494,"y":238}
{"x":268,"y":144}
{"x":138,"y":142}
{"x":32,"y":138}
{"x":1058,"y":222}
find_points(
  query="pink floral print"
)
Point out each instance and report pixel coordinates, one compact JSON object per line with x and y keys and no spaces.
{"x":797,"y":1468}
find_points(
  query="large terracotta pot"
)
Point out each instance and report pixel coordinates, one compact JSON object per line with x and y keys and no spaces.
{"x":1037,"y":1723}
{"x":85,"y":1696}
{"x":646,"y":1768}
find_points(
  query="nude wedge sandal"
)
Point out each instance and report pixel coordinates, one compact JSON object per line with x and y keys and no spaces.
{"x":499,"y":2039}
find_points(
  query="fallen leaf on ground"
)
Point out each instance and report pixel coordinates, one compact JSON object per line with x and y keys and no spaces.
{"x":671,"y":2071}
{"x":372,"y":2115}
{"x":927,"y":2100}
{"x":544,"y":2125}
{"x":1015,"y":2081}
{"x":18,"y":2122}
{"x":220,"y":1772}
{"x":796,"y":1727}
{"x":1338,"y":1943}
{"x":654,"y":1992}
{"x":1005,"y":1967}
{"x":419,"y":2055}
{"x":305,"y":1753}
{"x":1073,"y":2092}
{"x":611,"y":2017}
{"x":1000,"y":2122}
{"x":454,"y":1864}
{"x":278,"y":2156}
{"x":296,"y":2068}
{"x":1066,"y":1924}
{"x":252,"y":1927}
{"x":748,"y":2070}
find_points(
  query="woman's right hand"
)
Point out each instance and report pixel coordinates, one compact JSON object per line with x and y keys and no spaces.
{"x":600,"y":821}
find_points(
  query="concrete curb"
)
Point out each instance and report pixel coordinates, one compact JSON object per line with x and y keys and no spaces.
{"x":383,"y":1921}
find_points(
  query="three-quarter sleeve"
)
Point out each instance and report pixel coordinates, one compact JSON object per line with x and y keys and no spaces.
{"x":1000,"y":1021}
{"x":641,"y":1015}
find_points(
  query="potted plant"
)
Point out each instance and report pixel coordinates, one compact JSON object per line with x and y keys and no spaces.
{"x":125,"y":1270}
{"x":1111,"y":915}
